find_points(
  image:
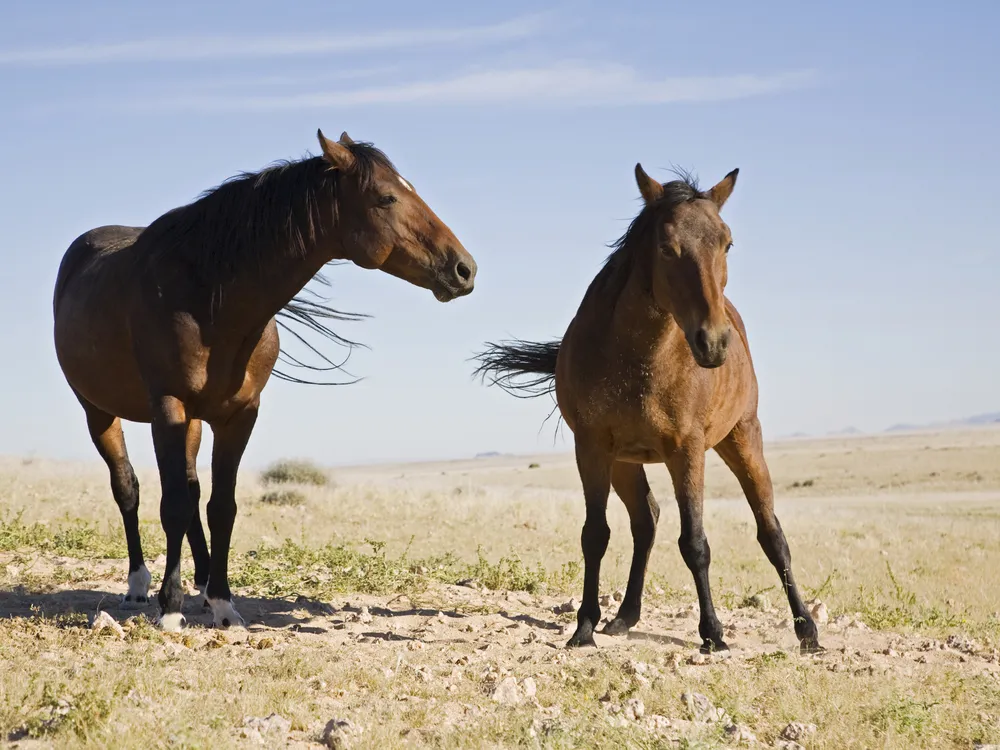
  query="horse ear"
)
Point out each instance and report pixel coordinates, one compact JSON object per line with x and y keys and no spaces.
{"x":338,"y":155}
{"x":650,"y":189}
{"x":345,"y":139}
{"x":721,"y":192}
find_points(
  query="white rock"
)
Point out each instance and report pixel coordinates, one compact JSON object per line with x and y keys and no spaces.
{"x":104,"y":620}
{"x":656,"y":724}
{"x":819,"y":613}
{"x":739,"y":734}
{"x":364,"y":616}
{"x":251,"y":736}
{"x":701,"y":708}
{"x":841,"y":621}
{"x":529,"y":687}
{"x":507,"y":693}
{"x":273,"y":724}
{"x":798,"y":730}
{"x":634,"y":709}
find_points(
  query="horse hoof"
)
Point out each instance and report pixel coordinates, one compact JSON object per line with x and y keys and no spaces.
{"x":224,"y":614}
{"x":138,"y":590}
{"x":617,"y":626}
{"x":172,"y":622}
{"x":583,"y":637}
{"x":810,"y":646}
{"x":713,"y":646}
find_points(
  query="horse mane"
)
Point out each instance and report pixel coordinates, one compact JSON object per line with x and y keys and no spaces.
{"x":628,"y":249}
{"x":231,"y":228}
{"x":278,"y":209}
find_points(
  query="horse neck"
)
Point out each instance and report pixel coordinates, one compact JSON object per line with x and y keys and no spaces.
{"x":250,"y":300}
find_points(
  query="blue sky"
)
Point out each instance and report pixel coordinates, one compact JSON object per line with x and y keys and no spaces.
{"x":865,"y":223}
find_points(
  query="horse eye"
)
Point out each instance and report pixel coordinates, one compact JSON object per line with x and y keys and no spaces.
{"x":729,"y":247}
{"x":386,"y":200}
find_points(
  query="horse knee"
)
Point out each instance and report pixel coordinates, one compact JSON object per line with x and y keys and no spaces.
{"x":125,"y":488}
{"x":220,"y":510}
{"x":772,"y":541}
{"x":695,"y":551}
{"x":595,"y":538}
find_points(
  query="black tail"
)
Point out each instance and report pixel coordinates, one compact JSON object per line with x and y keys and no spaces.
{"x":310,"y":314}
{"x":522,"y":368}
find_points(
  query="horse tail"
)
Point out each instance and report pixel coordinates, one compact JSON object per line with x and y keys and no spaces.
{"x":524,"y":369}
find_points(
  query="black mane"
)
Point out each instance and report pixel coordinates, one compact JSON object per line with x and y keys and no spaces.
{"x":278,"y":209}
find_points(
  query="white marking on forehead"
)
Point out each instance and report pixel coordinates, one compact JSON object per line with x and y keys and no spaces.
{"x":405,"y":184}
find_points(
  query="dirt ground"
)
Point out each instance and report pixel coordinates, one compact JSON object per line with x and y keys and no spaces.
{"x":429,"y":605}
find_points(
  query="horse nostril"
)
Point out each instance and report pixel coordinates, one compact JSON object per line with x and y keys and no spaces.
{"x":463,"y":271}
{"x":724,"y":340}
{"x":701,"y":340}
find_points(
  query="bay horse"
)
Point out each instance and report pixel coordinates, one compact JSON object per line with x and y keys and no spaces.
{"x":174,"y":325}
{"x":649,"y":371}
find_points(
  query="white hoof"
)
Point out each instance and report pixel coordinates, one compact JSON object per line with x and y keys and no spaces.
{"x":224,"y":614}
{"x":172,"y":622}
{"x":138,"y":590}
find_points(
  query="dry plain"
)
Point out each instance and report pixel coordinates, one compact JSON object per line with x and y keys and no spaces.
{"x":427,"y":605}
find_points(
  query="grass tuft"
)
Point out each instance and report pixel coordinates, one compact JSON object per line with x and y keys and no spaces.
{"x":295,"y":472}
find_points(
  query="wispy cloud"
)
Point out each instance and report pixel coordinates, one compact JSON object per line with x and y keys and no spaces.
{"x":561,"y":84}
{"x":236,"y":47}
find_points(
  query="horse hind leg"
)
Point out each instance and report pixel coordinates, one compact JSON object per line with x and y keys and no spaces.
{"x":630,"y":484}
{"x":196,"y":532}
{"x":106,"y":432}
{"x":594,"y":465}
{"x":743,"y":452}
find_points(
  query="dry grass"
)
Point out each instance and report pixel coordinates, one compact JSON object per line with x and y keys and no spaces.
{"x":901,"y":532}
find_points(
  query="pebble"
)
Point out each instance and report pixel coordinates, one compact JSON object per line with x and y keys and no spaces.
{"x":634,"y":709}
{"x":797,"y":730}
{"x":273,"y":724}
{"x":739,"y":734}
{"x":339,"y":734}
{"x":702,"y":709}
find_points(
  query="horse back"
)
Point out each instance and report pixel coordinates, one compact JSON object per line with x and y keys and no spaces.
{"x":88,"y":247}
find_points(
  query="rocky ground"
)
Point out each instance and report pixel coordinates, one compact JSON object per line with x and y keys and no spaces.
{"x":463,"y":666}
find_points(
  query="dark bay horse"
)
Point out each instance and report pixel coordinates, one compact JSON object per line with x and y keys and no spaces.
{"x":174,"y":324}
{"x":655,"y":367}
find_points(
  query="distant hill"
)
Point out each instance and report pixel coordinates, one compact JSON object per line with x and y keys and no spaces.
{"x":978,"y":420}
{"x":846,"y":431}
{"x":489,"y":454}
